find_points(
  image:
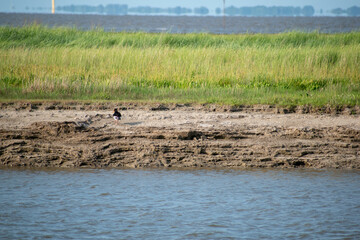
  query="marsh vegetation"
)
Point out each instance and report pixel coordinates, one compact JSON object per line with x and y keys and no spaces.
{"x":292,"y":68}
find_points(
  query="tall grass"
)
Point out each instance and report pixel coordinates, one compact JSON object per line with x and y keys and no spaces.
{"x":40,"y":36}
{"x":286,"y":69}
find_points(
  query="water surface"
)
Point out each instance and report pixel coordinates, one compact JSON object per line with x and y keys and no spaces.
{"x":173,"y":204}
{"x":187,"y":24}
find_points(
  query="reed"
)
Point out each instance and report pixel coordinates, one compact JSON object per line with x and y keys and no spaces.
{"x":293,"y":68}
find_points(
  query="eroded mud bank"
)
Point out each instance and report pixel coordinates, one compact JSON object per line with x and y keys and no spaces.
{"x":178,"y":136}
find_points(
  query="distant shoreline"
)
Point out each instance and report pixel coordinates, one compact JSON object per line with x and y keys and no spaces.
{"x":172,"y":15}
{"x":230,"y":10}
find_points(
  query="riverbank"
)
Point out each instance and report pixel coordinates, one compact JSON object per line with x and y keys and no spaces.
{"x":75,"y":134}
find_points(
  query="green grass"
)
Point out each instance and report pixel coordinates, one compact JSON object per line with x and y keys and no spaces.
{"x":292,"y":68}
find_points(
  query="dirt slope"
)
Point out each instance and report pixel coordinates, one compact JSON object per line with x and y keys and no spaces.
{"x":80,"y":135}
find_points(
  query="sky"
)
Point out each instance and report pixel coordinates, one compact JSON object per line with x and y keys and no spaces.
{"x":325,"y":5}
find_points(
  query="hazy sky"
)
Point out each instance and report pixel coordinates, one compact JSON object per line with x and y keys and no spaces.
{"x":18,"y":5}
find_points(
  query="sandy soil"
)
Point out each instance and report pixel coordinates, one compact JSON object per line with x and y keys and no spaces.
{"x":71,"y":135}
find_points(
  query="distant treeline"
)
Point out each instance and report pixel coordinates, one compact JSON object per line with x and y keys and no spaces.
{"x":116,"y":9}
{"x":268,"y":11}
{"x":352,"y":11}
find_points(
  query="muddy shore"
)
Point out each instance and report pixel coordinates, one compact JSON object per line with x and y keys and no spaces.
{"x":73,"y":134}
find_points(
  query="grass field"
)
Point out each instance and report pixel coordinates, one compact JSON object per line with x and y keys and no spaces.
{"x":285,"y":69}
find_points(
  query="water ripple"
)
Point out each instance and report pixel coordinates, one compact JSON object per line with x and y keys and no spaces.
{"x":163,"y":204}
{"x":187,"y":24}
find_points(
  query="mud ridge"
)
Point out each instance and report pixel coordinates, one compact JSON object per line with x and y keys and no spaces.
{"x":90,"y":106}
{"x":161,"y":137}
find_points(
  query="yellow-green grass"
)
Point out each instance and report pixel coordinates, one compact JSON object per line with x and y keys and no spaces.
{"x":284,"y":69}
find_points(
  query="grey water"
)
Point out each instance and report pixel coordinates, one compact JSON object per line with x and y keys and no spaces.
{"x":186,"y":24}
{"x":179,"y":204}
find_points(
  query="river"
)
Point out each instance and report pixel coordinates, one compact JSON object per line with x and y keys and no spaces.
{"x":186,"y":24}
{"x":179,"y":204}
